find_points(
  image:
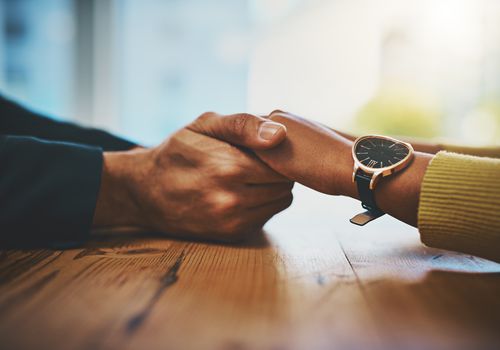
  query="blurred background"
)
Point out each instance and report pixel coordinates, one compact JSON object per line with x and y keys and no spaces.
{"x":144,"y":68}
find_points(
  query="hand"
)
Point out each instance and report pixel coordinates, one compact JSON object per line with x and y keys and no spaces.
{"x":312,"y":154}
{"x":320,"y":158}
{"x":194,"y":185}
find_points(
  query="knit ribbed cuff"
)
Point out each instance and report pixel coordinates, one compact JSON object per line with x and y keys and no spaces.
{"x":460,"y":205}
{"x":492,"y":152}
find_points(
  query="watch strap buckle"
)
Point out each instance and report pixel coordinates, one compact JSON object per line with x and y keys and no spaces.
{"x":365,"y":217}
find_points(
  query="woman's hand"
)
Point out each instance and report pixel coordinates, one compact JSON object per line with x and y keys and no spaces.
{"x":320,"y":158}
{"x":313,"y":155}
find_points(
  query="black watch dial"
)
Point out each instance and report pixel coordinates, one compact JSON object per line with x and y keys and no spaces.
{"x":378,"y":153}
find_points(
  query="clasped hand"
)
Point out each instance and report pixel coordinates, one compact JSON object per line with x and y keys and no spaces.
{"x":221,"y":177}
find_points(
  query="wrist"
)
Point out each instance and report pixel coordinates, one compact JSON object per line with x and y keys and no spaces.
{"x":117,"y":203}
{"x":341,"y":173}
{"x":399,"y":194}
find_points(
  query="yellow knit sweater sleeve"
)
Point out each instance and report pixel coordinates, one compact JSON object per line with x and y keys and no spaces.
{"x":460,"y":205}
{"x":492,"y":151}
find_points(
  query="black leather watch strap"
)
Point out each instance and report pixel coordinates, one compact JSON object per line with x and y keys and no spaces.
{"x":367,"y":200}
{"x":365,"y":194}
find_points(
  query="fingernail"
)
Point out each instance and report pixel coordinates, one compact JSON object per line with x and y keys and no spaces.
{"x":267,"y":130}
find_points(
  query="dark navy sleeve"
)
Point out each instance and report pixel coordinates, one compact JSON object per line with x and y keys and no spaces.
{"x":48,"y":190}
{"x":17,"y":120}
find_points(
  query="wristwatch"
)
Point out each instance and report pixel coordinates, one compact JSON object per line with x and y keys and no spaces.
{"x":376,"y":157}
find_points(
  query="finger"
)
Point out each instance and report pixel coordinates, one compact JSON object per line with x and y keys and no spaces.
{"x":256,"y":172}
{"x":233,"y":164}
{"x":258,"y":216}
{"x":255,"y":196}
{"x":242,"y":129}
{"x":252,"y":220}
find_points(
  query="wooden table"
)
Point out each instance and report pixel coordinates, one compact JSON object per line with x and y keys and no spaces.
{"x":311,"y":281}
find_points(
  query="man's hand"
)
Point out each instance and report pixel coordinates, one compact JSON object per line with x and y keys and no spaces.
{"x":195,"y":184}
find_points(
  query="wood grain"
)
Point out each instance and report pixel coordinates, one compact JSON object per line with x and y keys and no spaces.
{"x":310,"y":281}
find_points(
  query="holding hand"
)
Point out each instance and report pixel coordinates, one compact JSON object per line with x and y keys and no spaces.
{"x":196,"y":185}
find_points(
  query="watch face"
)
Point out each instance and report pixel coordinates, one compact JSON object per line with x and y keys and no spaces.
{"x":376,"y":153}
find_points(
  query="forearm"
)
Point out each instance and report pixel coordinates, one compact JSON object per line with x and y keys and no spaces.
{"x":48,"y":190}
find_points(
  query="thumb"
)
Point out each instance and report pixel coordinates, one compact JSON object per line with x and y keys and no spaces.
{"x":240,"y":129}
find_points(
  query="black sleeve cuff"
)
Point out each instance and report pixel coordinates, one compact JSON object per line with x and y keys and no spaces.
{"x":48,"y":190}
{"x":17,"y":120}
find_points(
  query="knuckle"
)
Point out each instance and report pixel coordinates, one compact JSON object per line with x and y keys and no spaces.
{"x":240,"y":122}
{"x":230,"y":171}
{"x":200,"y":123}
{"x":224,"y":203}
{"x":204,"y":116}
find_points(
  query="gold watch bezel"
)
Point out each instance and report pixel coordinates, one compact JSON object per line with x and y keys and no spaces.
{"x":377,"y":173}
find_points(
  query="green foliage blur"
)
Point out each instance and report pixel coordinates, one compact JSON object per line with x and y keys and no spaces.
{"x":486,"y":119}
{"x":398,"y":112}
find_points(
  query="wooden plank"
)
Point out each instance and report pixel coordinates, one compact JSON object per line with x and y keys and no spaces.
{"x":311,"y":281}
{"x":424,"y":297}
